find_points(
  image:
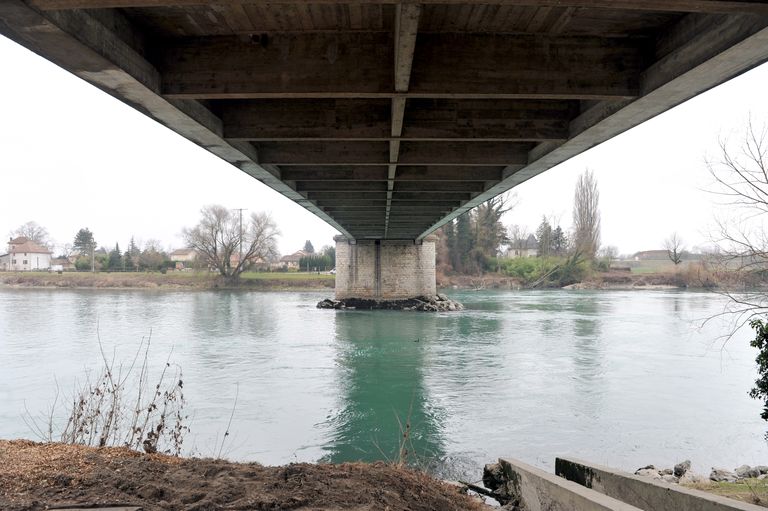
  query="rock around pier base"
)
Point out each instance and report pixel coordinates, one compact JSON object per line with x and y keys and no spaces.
{"x":436,"y":303}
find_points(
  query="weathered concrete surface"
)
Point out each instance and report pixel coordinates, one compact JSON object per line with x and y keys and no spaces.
{"x":642,"y":492}
{"x":541,"y":491}
{"x":385,"y":270}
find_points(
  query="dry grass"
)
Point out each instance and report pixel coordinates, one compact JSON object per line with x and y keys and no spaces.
{"x":752,"y":491}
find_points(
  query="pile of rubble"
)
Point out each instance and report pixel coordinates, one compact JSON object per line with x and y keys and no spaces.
{"x":682,"y":474}
{"x":436,"y":303}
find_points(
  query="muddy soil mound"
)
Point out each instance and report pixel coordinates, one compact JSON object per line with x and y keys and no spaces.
{"x":36,"y":476}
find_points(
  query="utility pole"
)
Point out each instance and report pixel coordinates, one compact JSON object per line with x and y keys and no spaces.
{"x":240,"y":210}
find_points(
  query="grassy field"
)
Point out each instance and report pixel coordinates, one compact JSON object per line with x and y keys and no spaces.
{"x":753,"y":491}
{"x":655,"y":266}
{"x":287,"y":276}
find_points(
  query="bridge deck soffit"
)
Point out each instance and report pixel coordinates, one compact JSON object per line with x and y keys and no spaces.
{"x":386,"y":118}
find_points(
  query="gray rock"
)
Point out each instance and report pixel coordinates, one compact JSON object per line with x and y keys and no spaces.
{"x":669,"y":478}
{"x":762,"y":476}
{"x":648,"y":472}
{"x":746,"y":472}
{"x":682,"y":467}
{"x":722,"y":475}
{"x":762,"y":468}
{"x":647,"y":467}
{"x":493,"y":476}
{"x":691,"y":478}
{"x":667,"y":472}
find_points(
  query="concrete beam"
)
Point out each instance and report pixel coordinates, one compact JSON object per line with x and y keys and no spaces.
{"x":81,"y":44}
{"x":720,"y":51}
{"x":406,"y":28}
{"x":377,"y":153}
{"x":382,"y":186}
{"x":644,"y":492}
{"x":360,"y":201}
{"x":710,"y":6}
{"x":320,"y":65}
{"x":404,"y":173}
{"x":397,"y":196}
{"x":418,"y":119}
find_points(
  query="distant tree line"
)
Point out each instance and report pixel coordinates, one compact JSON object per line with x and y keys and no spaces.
{"x":469,"y":242}
{"x":150,"y":257}
{"x":473,"y":242}
{"x":325,"y":260}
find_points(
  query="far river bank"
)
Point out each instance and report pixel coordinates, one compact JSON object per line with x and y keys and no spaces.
{"x":174,"y":280}
{"x":294,"y":281}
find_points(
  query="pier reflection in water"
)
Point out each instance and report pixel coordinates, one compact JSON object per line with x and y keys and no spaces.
{"x":383,"y":403}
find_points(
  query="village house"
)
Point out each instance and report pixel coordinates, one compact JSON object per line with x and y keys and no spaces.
{"x":183,"y":258}
{"x":651,"y":255}
{"x":25,"y":255}
{"x":63,"y":264}
{"x":523,"y":248}
{"x":291,"y":261}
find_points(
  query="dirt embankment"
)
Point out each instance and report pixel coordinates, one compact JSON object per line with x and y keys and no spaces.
{"x":169,"y":281}
{"x":36,"y":476}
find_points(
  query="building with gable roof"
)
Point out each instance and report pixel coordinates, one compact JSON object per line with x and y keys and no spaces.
{"x":25,"y":255}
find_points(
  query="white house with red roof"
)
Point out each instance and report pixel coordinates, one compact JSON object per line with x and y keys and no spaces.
{"x":25,"y":255}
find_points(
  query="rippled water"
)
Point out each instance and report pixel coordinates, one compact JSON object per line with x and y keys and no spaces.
{"x":620,"y":378}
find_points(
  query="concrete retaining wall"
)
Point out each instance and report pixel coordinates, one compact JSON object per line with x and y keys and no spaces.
{"x":541,"y":491}
{"x":386,"y":270}
{"x":643,"y":492}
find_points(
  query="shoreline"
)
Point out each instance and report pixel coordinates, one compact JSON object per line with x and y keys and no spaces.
{"x":191,"y":281}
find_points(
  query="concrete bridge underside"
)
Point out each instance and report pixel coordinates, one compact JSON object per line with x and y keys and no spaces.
{"x":389,"y":118}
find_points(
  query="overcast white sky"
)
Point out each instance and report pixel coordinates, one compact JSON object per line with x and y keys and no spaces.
{"x":71,"y":156}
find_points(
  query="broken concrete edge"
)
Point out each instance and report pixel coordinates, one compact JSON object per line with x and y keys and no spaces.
{"x":537,"y":490}
{"x":647,"y":494}
{"x":436,"y":303}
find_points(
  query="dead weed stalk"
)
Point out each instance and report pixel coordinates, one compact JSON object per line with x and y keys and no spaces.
{"x":120,"y":407}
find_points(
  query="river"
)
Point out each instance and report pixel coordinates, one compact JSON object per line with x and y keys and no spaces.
{"x":619,"y":378}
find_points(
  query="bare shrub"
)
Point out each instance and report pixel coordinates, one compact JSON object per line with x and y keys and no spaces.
{"x":123,"y":406}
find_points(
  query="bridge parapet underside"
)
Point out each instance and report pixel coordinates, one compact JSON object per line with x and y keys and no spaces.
{"x":387,"y":119}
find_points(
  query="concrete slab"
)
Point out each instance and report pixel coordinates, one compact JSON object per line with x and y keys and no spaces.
{"x":541,"y":491}
{"x":642,"y":492}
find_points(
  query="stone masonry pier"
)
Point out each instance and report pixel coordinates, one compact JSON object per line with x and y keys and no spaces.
{"x":384,"y":269}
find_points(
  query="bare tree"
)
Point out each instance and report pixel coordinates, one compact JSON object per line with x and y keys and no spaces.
{"x":35,"y":232}
{"x":586,"y":216}
{"x":741,"y":181}
{"x":741,"y":176}
{"x":218,"y":239}
{"x":518,"y":237}
{"x":610,"y":253}
{"x":675,"y":248}
{"x":490,"y":232}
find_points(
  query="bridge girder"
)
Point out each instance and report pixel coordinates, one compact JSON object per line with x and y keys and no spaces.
{"x":390,"y":118}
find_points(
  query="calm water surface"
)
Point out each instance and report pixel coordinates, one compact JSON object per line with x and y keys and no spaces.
{"x":620,"y":378}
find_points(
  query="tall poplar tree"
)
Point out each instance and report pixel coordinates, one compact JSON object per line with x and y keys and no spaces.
{"x":586,"y":216}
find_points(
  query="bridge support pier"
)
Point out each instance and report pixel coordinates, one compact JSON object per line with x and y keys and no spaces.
{"x":385,"y":269}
